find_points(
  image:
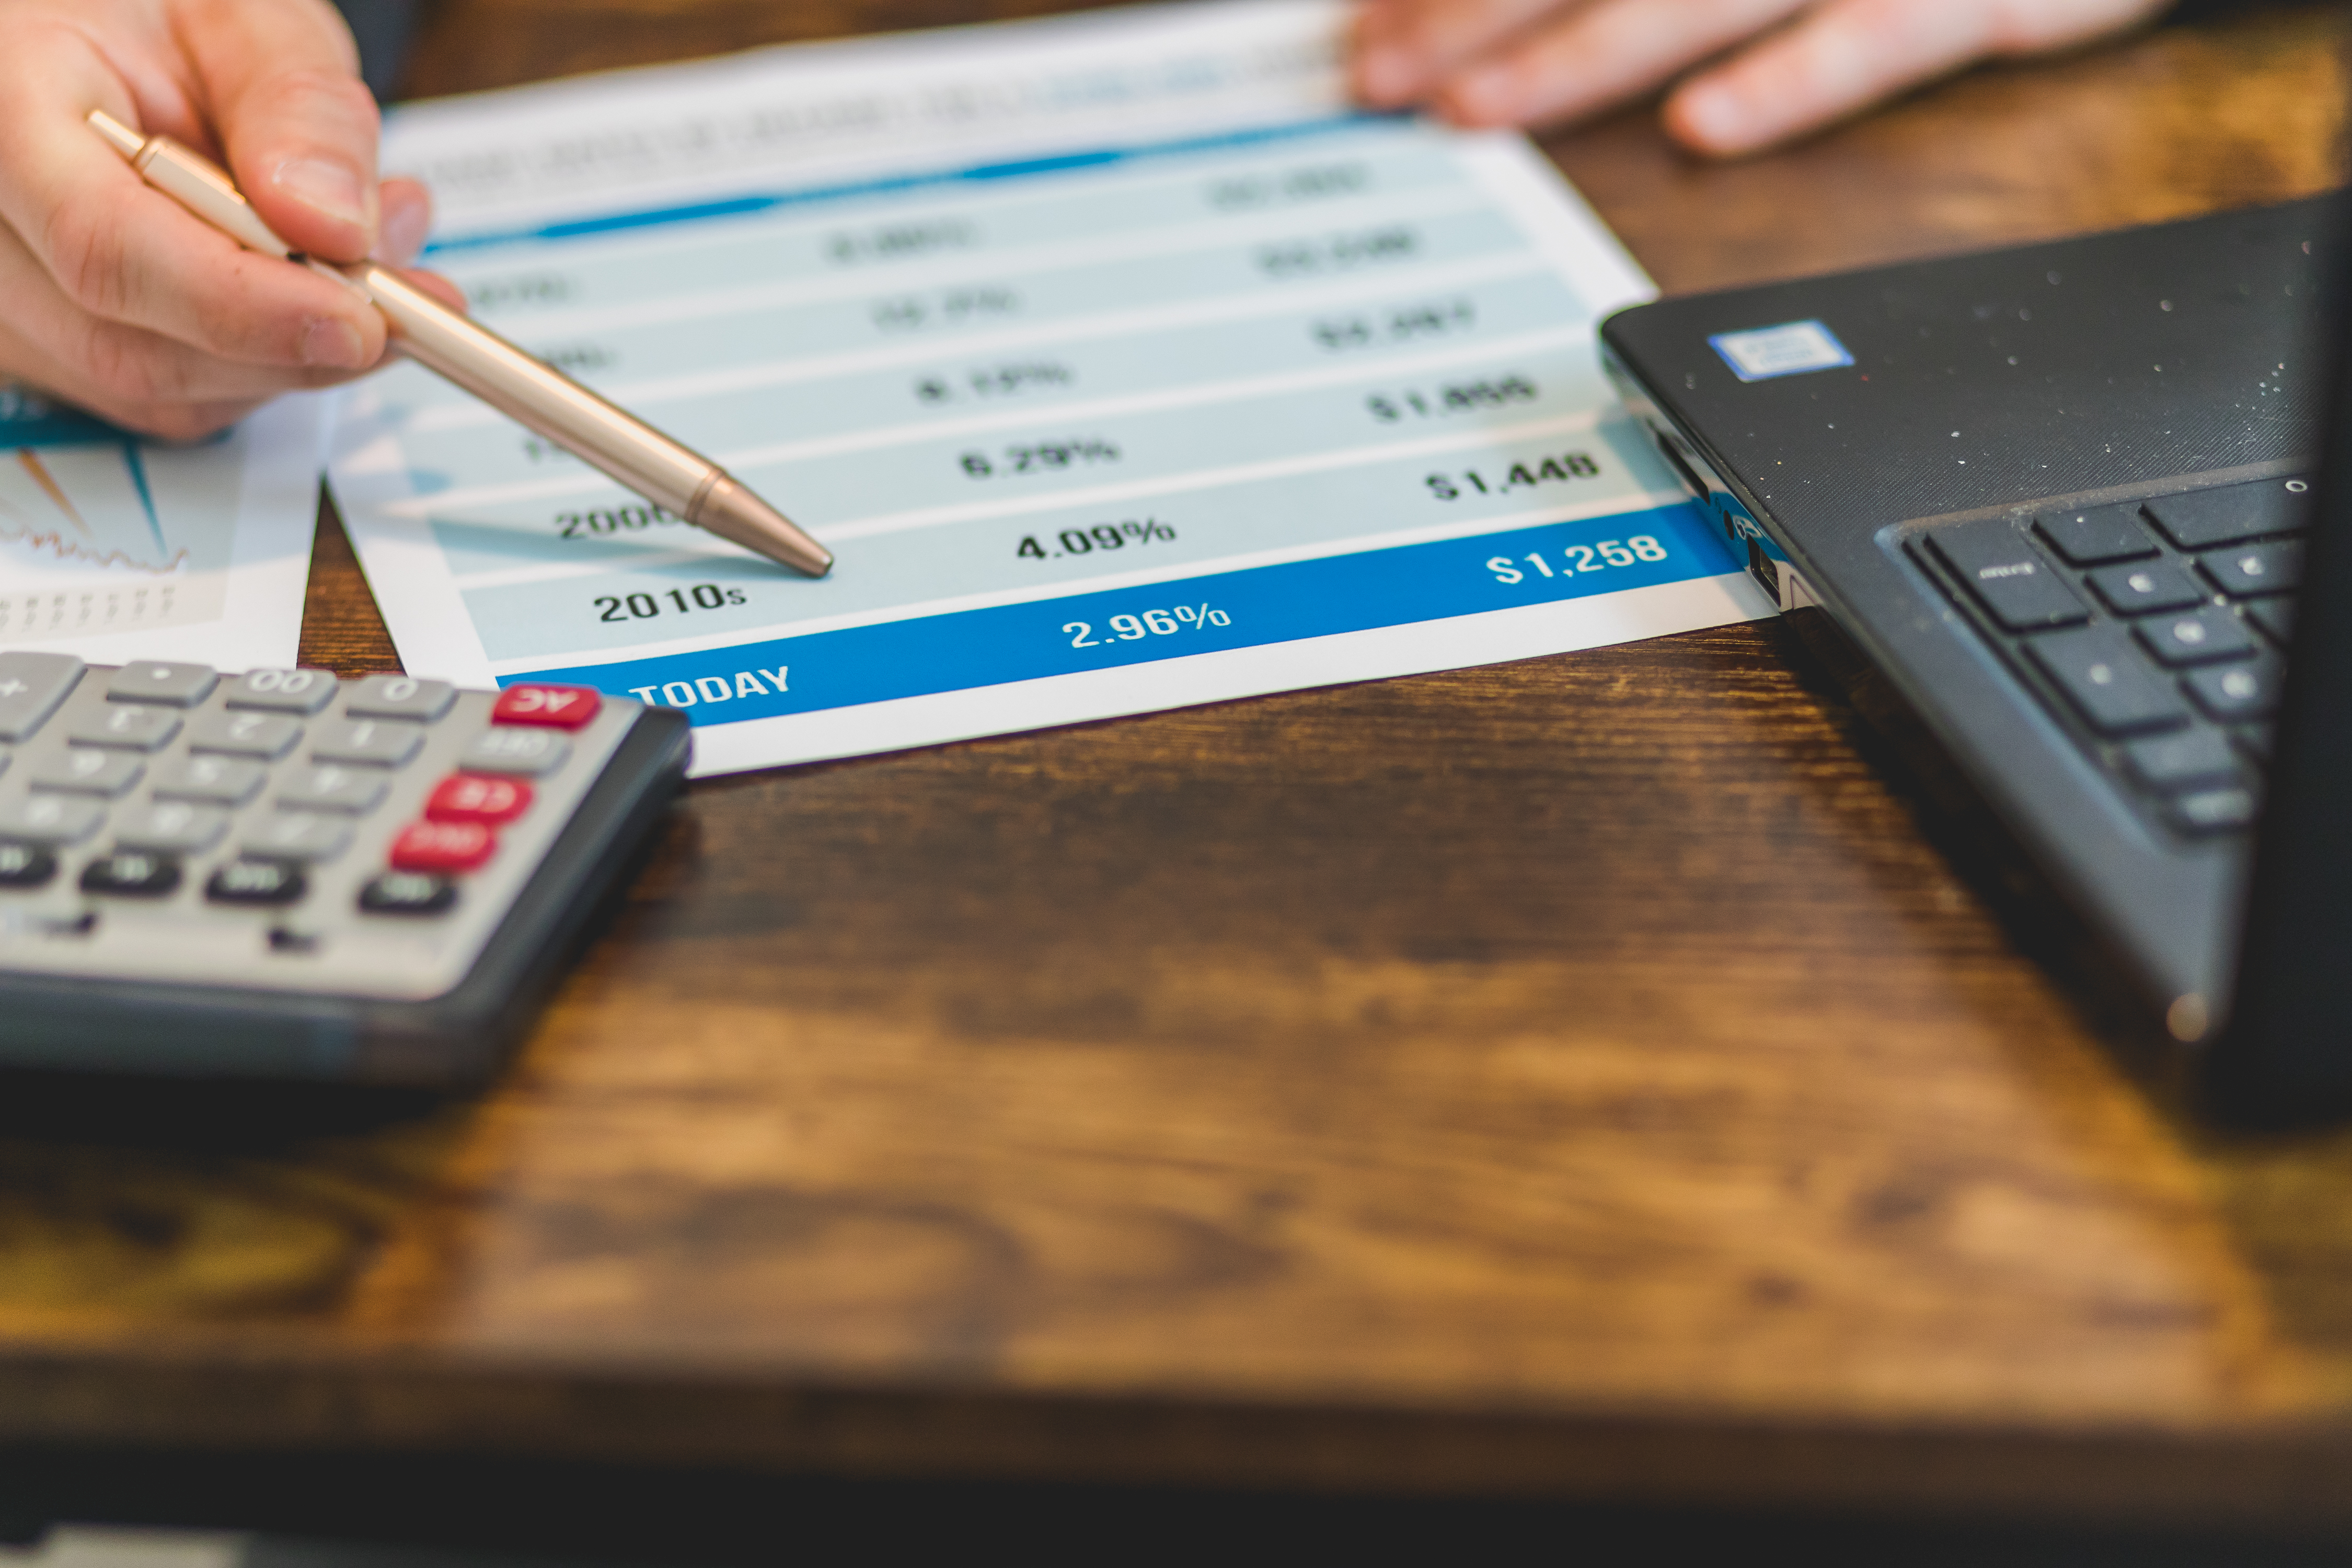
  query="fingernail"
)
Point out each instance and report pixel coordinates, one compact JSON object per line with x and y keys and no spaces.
{"x":1713,"y":115}
{"x":334,"y":343}
{"x":1484,"y":98}
{"x":329,"y":188}
{"x":406,"y":225}
{"x":1386,"y":75}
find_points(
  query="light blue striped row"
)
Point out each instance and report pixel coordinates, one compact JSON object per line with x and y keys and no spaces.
{"x":977,"y":174}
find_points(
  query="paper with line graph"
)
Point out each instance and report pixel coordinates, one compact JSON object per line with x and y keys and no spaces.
{"x":116,"y":548}
{"x":1122,"y":366}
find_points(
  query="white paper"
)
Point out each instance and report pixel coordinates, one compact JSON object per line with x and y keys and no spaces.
{"x":115,"y":549}
{"x":1122,"y":365}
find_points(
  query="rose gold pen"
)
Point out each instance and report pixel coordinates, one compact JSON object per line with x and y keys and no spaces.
{"x":511,"y":381}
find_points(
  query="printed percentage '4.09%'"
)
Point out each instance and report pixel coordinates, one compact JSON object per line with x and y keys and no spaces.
{"x":1150,"y":623}
{"x":1100,"y":536}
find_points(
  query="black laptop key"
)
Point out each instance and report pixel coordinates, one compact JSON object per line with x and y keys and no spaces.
{"x":2203,"y":636}
{"x":2235,"y":692}
{"x":2009,"y":576}
{"x":2195,"y":758}
{"x":2109,"y":681}
{"x":2096,"y":535}
{"x":2197,"y":519}
{"x":2275,"y":617}
{"x":2143,"y":590}
{"x":2255,"y":569}
{"x":2216,"y":810}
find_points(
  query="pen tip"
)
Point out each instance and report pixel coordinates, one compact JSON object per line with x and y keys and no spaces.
{"x":733,"y":512}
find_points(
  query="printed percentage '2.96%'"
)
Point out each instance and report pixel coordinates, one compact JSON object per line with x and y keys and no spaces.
{"x":1150,"y":623}
{"x":1100,"y":536}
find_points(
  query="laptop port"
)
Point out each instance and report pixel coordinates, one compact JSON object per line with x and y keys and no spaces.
{"x":1681,"y":464}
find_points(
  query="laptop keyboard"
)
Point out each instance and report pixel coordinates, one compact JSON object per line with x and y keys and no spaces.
{"x":2156,"y":630}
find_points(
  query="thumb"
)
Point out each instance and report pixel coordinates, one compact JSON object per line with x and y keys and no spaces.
{"x":280,"y":79}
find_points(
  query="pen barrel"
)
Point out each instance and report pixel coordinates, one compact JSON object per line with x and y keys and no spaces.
{"x":541,"y":397}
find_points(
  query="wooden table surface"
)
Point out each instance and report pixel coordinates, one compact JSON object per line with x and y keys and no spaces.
{"x":1580,"y":1077}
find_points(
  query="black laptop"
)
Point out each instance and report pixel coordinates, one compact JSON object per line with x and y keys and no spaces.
{"x":2052,"y":511}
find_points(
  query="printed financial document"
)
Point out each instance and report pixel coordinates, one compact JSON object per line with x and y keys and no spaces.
{"x":116,"y":548}
{"x":1121,"y":365}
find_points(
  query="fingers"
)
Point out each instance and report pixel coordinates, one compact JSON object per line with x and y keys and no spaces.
{"x":133,"y":376}
{"x":121,"y":251}
{"x":1403,"y":49}
{"x":1596,"y":57}
{"x":1849,"y":54}
{"x":407,"y":220}
{"x":281,"y":80}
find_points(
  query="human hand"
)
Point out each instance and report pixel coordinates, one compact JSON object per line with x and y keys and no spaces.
{"x":112,"y":295}
{"x":1542,"y":62}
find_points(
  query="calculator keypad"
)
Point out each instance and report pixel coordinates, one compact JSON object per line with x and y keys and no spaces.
{"x":362,"y":836}
{"x":377,"y":743}
{"x":133,"y":728}
{"x":178,"y":684}
{"x":265,"y":735}
{"x":398,"y":697}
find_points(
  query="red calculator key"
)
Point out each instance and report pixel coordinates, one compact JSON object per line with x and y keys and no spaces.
{"x":477,"y":798}
{"x":557,"y":707}
{"x":442,"y":847}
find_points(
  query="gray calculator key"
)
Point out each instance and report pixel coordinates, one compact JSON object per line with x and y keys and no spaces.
{"x":156,"y":680}
{"x":244,"y":734}
{"x":50,"y":818}
{"x":296,"y":835}
{"x":83,"y":770}
{"x":132,"y":729}
{"x":171,"y":827}
{"x":31,"y":687}
{"x":328,"y":787}
{"x":225,"y":781}
{"x":304,"y":691}
{"x":514,"y":748}
{"x":400,"y":697}
{"x":379,"y":742}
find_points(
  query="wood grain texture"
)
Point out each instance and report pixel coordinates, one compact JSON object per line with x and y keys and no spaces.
{"x":1583,"y":1075}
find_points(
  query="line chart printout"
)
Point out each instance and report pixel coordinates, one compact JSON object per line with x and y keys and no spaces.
{"x":1121,"y":366}
{"x":114,"y":548}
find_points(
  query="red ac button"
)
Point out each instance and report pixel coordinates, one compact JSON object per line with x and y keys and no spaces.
{"x":557,"y":707}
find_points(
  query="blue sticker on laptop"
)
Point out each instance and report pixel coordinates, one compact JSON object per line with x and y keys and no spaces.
{"x":1792,"y":348}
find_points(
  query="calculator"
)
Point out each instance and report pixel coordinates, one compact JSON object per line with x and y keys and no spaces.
{"x":286,"y":875}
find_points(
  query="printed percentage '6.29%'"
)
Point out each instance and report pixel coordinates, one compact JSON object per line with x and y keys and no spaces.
{"x":1150,"y":623}
{"x":1099,"y":536}
{"x":1042,"y":457}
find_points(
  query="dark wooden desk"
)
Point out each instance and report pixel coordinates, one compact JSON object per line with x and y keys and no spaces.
{"x":1578,"y":1078}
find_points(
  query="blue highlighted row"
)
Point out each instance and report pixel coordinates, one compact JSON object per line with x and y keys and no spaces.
{"x":1251,"y":608}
